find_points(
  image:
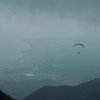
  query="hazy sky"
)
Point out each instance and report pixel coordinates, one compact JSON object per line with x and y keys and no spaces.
{"x":49,"y":18}
{"x":76,"y":20}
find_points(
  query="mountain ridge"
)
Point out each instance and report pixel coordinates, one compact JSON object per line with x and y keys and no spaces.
{"x":86,"y":91}
{"x":4,"y":96}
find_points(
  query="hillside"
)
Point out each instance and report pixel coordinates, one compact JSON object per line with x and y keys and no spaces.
{"x":85,"y":91}
{"x":4,"y":96}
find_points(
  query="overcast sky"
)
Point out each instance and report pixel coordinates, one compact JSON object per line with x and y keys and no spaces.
{"x":76,"y":20}
{"x":49,"y":18}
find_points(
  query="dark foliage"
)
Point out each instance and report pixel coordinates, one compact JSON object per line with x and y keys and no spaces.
{"x":4,"y":96}
{"x":85,"y":91}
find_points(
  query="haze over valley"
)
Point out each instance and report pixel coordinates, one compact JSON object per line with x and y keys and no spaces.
{"x":49,"y":62}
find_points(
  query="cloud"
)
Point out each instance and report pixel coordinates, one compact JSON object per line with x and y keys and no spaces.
{"x":60,"y":7}
{"x":49,"y":18}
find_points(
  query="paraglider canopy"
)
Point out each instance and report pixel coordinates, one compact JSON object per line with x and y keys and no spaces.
{"x":79,"y":44}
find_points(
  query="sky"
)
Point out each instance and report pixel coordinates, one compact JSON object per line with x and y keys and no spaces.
{"x":49,"y":18}
{"x":76,"y":20}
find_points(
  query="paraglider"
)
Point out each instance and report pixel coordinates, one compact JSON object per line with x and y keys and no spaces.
{"x":79,"y":45}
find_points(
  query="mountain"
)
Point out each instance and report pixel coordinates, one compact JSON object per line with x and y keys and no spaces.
{"x":86,"y":91}
{"x":4,"y":96}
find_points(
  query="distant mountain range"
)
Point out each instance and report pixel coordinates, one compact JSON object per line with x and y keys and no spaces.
{"x":86,"y":91}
